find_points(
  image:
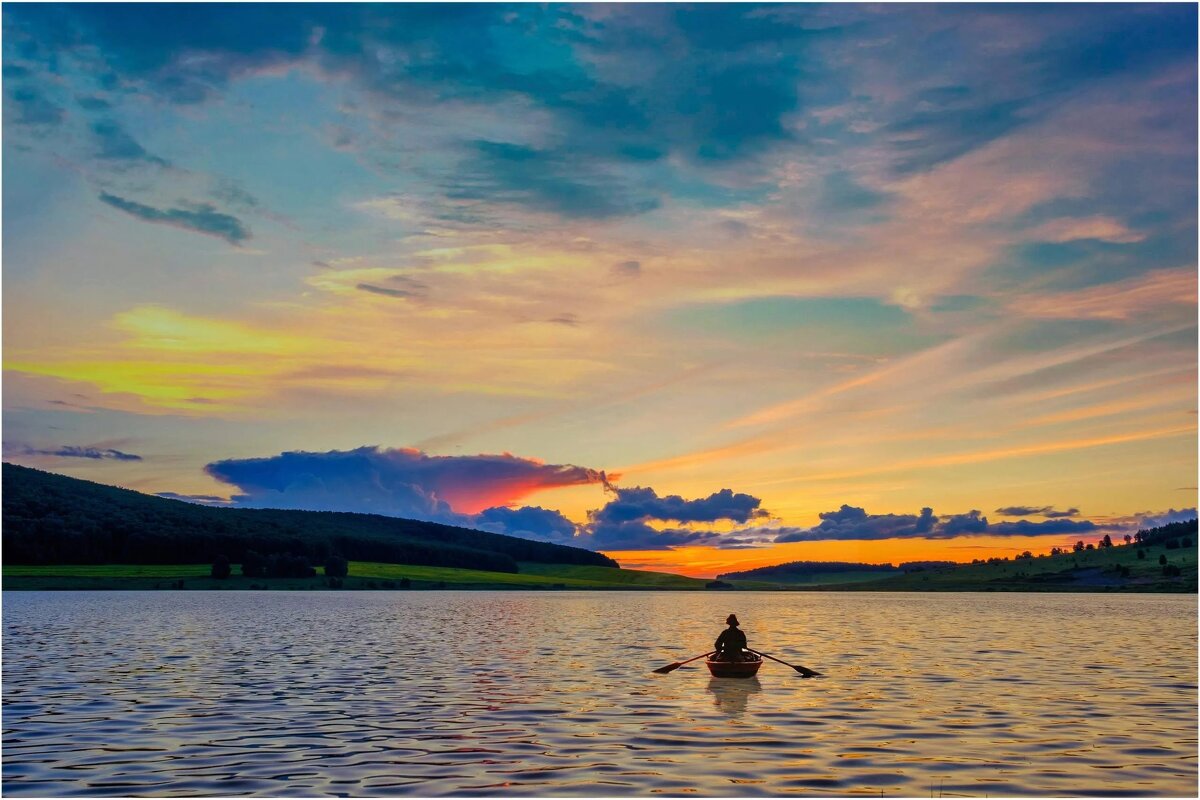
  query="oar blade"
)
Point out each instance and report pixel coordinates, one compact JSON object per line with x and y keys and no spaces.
{"x":807,"y":673}
{"x":668,"y":668}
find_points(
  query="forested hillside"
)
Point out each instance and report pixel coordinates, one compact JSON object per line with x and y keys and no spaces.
{"x":53,"y":519}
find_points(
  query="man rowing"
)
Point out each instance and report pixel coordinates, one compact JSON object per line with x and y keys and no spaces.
{"x":731,"y":644}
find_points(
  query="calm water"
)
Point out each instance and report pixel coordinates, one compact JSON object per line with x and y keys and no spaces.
{"x":515,"y":693}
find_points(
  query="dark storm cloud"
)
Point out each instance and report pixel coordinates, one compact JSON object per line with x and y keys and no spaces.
{"x":198,"y":217}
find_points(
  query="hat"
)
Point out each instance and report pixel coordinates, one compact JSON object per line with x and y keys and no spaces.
{"x":731,"y":620}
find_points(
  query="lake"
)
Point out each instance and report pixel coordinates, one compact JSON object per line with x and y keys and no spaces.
{"x":550,"y":693}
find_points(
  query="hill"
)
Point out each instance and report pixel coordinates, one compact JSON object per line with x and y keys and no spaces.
{"x":53,"y":519}
{"x":1168,"y":563}
{"x":814,"y":572}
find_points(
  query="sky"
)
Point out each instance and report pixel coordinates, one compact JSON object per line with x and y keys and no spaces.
{"x":701,"y":287}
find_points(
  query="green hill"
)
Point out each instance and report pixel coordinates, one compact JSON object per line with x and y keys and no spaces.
{"x":814,"y":573}
{"x":1105,"y":569}
{"x":53,"y":519}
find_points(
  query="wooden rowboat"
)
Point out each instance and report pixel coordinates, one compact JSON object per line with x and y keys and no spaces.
{"x":734,"y":669}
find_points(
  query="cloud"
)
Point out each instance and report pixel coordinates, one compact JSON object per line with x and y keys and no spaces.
{"x":627,"y":269}
{"x":116,"y":144}
{"x":397,"y":285}
{"x":200,"y":217}
{"x":383,"y":290}
{"x":962,"y":524}
{"x":33,"y":109}
{"x":1158,"y":519}
{"x":398,"y":482}
{"x":199,"y":499}
{"x":852,"y":523}
{"x":1040,"y":511}
{"x":623,"y":523}
{"x":72,"y":451}
{"x":528,"y":522}
{"x":545,"y":180}
{"x":639,"y":503}
{"x":1101,"y":228}
{"x":1024,"y":527}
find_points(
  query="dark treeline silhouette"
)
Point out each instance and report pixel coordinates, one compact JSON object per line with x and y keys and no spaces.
{"x":918,"y":566}
{"x":53,"y":519}
{"x":800,"y":569}
{"x":1174,"y":535}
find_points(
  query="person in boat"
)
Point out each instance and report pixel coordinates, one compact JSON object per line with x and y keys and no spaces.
{"x":731,"y":644}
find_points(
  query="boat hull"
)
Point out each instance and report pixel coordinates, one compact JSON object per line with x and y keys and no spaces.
{"x":733,"y":669}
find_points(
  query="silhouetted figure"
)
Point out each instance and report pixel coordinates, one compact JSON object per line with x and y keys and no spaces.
{"x":731,"y":642}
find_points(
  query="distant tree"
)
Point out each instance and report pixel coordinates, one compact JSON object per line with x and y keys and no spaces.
{"x":718,"y":585}
{"x":1026,"y":554}
{"x":1090,"y":546}
{"x":1141,"y":554}
{"x":1186,"y":542}
{"x":1056,"y":551}
{"x":286,"y":565}
{"x":1162,"y":558}
{"x":1128,"y":538}
{"x":220,"y":568}
{"x":253,"y":564}
{"x":1079,"y":546}
{"x":1170,"y":570}
{"x":405,"y":583}
{"x":1107,"y":541}
{"x":336,"y":567}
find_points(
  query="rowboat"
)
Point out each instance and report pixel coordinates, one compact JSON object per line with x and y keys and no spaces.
{"x":734,"y":669}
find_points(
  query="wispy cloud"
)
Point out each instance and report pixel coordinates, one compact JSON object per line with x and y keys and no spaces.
{"x":74,"y":451}
{"x":198,"y":217}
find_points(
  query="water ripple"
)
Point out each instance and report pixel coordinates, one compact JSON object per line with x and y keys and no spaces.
{"x":528,"y":694}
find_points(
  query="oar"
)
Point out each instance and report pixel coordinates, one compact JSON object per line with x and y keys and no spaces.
{"x":678,"y":664}
{"x":805,"y":671}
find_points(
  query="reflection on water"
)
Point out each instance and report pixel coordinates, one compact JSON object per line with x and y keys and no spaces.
{"x":526,"y":693}
{"x":731,"y":695}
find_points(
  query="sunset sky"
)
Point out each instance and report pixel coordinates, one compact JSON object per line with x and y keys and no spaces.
{"x":700,"y":287}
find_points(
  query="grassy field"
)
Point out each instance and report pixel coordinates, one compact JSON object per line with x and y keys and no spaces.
{"x":363,"y":575}
{"x":1089,"y":571}
{"x":827,"y":579}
